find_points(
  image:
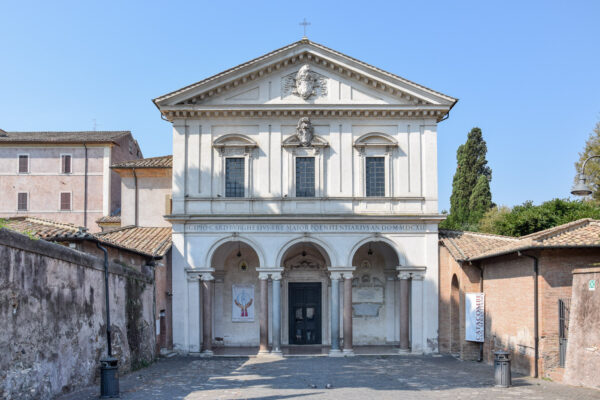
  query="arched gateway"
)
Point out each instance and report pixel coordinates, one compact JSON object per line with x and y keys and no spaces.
{"x":304,"y":206}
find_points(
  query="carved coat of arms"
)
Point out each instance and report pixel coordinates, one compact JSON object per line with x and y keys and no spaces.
{"x":305,"y":83}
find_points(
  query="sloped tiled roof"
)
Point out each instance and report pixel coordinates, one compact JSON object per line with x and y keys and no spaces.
{"x":580,"y":233}
{"x":152,"y":162}
{"x":149,"y":241}
{"x":463,"y":245}
{"x":43,"y":228}
{"x":63,"y":137}
{"x":109,"y":219}
{"x":152,"y":241}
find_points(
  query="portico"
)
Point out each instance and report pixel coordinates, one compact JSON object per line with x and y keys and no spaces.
{"x":304,"y":206}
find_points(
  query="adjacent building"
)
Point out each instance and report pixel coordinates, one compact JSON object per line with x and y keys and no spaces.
{"x":63,"y":176}
{"x":527,"y":283}
{"x":305,"y":205}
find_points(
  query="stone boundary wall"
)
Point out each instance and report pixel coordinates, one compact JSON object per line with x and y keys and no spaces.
{"x":52,"y":308}
{"x":583,"y":348}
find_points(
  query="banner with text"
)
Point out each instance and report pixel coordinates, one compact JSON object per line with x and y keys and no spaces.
{"x":474,"y":317}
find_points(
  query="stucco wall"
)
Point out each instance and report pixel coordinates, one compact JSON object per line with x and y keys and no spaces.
{"x":53,"y":312}
{"x":152,"y":192}
{"x":119,"y":153}
{"x":583,"y":350}
{"x":45,"y":182}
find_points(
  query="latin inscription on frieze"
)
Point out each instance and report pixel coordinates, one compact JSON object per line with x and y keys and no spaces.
{"x":310,"y":228}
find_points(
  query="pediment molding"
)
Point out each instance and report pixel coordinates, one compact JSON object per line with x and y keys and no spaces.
{"x":234,"y":140}
{"x":293,"y":141}
{"x":375,"y":139}
{"x":302,"y":53}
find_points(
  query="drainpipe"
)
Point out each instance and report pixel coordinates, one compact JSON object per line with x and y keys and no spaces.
{"x":85,"y":188}
{"x":535,"y":310}
{"x":135,"y":182}
{"x":106,"y":293}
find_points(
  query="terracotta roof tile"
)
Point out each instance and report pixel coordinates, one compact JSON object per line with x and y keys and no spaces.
{"x":109,"y":219}
{"x":469,"y":246}
{"x":153,"y":162}
{"x":148,"y":240}
{"x":43,"y":228}
{"x":63,"y":137}
{"x":463,"y":245}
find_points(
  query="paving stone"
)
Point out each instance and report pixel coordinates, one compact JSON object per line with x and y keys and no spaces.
{"x":364,"y":377}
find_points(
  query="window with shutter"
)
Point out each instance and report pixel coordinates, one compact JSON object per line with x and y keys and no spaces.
{"x":23,"y":164}
{"x":22,"y":201}
{"x":65,"y":201}
{"x":66,"y":163}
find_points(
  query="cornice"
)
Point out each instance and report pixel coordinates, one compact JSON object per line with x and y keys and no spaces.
{"x":307,"y":218}
{"x":297,"y":110}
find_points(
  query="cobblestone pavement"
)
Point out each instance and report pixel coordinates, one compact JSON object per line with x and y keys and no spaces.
{"x":365,"y":377}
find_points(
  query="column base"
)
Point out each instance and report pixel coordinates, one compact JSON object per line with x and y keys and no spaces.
{"x":335,"y":353}
{"x":207,"y":353}
{"x":348,"y":352}
{"x":404,"y":351}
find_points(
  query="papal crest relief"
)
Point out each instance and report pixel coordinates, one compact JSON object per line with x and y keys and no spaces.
{"x":304,"y":83}
{"x":305,"y":131}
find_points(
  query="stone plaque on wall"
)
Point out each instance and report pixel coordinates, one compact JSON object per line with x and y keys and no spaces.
{"x":367,"y":295}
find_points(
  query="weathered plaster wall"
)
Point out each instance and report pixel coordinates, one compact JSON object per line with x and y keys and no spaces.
{"x":583,"y":350}
{"x":152,"y":192}
{"x":53,"y":312}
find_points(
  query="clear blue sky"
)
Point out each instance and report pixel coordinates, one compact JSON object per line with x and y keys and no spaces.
{"x":526,"y":72}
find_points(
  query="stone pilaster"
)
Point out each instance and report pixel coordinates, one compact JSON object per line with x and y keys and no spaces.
{"x":207,"y":280}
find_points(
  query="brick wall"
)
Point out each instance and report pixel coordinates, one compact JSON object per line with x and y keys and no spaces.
{"x":451,"y":339}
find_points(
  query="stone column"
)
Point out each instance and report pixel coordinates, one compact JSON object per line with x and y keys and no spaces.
{"x":404,"y":311}
{"x":417,"y":311}
{"x":335,"y":315}
{"x":348,"y":350}
{"x":264,"y":313}
{"x":207,"y":314}
{"x":276,"y":350}
{"x":193,"y":312}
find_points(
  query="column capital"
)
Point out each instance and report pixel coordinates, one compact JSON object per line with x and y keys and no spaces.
{"x":341,"y":272}
{"x":276,"y":276}
{"x":193,"y":277}
{"x":263,"y":276}
{"x":418,"y":276}
{"x":264,"y":273}
{"x":403,"y":275}
{"x":335,"y":275}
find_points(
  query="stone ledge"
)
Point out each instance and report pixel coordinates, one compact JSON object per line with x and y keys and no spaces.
{"x":41,"y":247}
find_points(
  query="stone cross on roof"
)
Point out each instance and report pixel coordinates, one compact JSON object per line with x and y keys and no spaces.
{"x":304,"y":24}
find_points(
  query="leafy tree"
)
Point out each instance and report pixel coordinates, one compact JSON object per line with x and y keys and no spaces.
{"x":471,"y":166}
{"x":592,"y":169}
{"x":528,"y":218}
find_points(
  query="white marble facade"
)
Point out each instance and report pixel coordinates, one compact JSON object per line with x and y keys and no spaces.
{"x":305,"y":100}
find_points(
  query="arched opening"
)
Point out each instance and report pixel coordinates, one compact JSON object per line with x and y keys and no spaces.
{"x":236,"y":297}
{"x":454,"y":316}
{"x":373,"y":295}
{"x":305,"y":294}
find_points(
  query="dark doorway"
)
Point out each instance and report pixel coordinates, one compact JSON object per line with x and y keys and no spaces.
{"x":305,"y":313}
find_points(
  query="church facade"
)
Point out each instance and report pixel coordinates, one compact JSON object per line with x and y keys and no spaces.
{"x":305,"y":206}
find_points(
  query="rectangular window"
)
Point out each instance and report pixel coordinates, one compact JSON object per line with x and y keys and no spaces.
{"x":65,"y":161}
{"x":23,"y":164}
{"x":305,"y":177}
{"x":65,"y":201}
{"x":22,"y":201}
{"x":234,"y":177}
{"x":375,"y":176}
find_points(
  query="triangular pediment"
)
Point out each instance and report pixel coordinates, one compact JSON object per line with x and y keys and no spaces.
{"x":303,"y":73}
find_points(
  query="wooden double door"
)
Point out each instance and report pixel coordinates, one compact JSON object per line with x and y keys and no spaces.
{"x":305,"y":313}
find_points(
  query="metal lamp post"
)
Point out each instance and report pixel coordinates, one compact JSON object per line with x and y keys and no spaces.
{"x":109,"y":365}
{"x":581,"y":187}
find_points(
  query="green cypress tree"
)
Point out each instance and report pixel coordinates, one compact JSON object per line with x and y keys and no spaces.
{"x":471,"y":164}
{"x":481,"y":200}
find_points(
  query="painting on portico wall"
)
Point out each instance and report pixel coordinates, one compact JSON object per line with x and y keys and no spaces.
{"x":242,"y":303}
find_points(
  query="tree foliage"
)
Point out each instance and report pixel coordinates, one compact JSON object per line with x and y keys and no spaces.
{"x":528,"y":218}
{"x":468,"y":188}
{"x":592,"y":169}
